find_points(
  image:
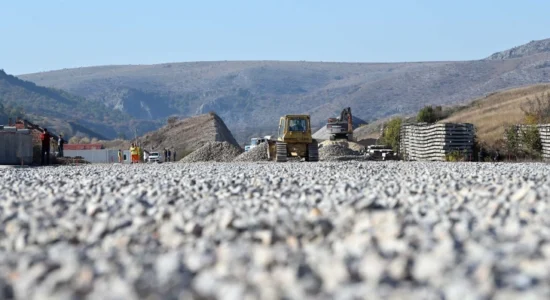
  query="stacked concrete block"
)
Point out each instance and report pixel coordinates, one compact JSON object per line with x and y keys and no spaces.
{"x":435,"y":142}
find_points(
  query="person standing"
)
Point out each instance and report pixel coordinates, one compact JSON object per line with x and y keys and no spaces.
{"x":481,"y":154}
{"x":174,"y":155}
{"x":45,"y":136}
{"x":134,"y":152}
{"x":496,"y":158}
{"x":60,"y":143}
{"x":120,"y":155}
{"x":165,"y":155}
{"x":169,"y":154}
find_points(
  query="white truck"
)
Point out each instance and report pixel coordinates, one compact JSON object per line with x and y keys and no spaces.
{"x":254,"y":142}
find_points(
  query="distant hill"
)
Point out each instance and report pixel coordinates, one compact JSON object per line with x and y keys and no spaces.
{"x":64,"y":112}
{"x":184,"y":135}
{"x":251,"y":95}
{"x":492,"y":113}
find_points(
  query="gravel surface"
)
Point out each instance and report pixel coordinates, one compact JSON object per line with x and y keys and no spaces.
{"x":258,"y":153}
{"x":213,"y":151}
{"x":346,"y":230}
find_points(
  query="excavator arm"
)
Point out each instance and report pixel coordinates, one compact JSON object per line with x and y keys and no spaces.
{"x":345,"y":116}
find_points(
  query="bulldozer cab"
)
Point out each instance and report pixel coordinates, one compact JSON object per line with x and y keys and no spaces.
{"x":294,"y":129}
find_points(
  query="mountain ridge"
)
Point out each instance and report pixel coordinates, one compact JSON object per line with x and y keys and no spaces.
{"x":531,"y":48}
{"x":250,"y":96}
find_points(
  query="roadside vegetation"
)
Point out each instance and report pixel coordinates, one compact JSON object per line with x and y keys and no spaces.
{"x":496,"y":118}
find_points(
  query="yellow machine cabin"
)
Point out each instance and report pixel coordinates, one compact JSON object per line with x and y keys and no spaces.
{"x":294,"y":139}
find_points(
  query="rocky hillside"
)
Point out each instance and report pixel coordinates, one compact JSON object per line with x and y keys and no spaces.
{"x":493,"y":113}
{"x":64,"y":112}
{"x":185,"y":135}
{"x":251,"y":95}
{"x":531,"y":48}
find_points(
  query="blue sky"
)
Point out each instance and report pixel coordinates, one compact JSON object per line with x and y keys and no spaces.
{"x":41,"y":35}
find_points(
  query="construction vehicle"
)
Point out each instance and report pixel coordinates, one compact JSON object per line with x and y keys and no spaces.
{"x":341,"y":127}
{"x":294,"y":139}
{"x":253,"y":143}
{"x":380,"y":152}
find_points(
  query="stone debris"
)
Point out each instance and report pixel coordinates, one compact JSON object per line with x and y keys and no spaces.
{"x":213,"y":151}
{"x":326,"y":230}
{"x":258,"y":153}
{"x":333,"y":152}
{"x":344,"y":143}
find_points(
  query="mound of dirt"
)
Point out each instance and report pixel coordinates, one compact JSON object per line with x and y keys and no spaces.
{"x":337,"y":152}
{"x":258,"y":153}
{"x":184,"y":136}
{"x":214,"y":151}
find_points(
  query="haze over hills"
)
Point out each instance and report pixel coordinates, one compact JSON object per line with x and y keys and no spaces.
{"x":250,"y":96}
{"x":63,"y":112}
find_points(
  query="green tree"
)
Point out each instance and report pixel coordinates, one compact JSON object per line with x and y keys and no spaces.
{"x":390,"y":136}
{"x":512,"y":140}
{"x":427,"y":114}
{"x":74,"y":140}
{"x":531,"y":142}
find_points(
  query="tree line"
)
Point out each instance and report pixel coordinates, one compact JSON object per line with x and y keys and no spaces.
{"x":519,"y":142}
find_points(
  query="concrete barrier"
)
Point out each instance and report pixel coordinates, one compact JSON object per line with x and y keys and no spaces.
{"x":15,"y":146}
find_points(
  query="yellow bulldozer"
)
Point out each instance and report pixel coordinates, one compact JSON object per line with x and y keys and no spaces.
{"x":294,"y":139}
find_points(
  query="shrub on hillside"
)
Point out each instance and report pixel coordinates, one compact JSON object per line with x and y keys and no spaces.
{"x":427,"y":114}
{"x":390,"y":135}
{"x":525,"y":144}
{"x":531,"y":142}
{"x":172,"y":120}
{"x":512,"y":140}
{"x":537,"y":110}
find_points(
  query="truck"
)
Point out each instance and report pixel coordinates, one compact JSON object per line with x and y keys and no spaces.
{"x":254,"y":142}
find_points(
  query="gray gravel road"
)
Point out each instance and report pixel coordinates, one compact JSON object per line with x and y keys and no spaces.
{"x":327,"y":230}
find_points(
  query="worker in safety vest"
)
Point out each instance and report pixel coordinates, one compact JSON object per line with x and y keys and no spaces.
{"x":134,"y":152}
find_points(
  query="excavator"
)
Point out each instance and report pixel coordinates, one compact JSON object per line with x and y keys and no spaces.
{"x":294,"y":139}
{"x":341,"y":127}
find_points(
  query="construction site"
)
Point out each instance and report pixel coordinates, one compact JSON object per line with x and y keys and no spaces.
{"x":294,"y":215}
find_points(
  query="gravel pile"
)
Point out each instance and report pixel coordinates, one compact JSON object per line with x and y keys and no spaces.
{"x":333,"y":152}
{"x":213,"y":151}
{"x":344,"y":143}
{"x":384,"y":230}
{"x":258,"y":153}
